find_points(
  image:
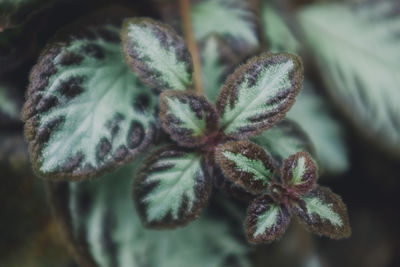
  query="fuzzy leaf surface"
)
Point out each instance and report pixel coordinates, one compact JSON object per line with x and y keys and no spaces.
{"x":187,"y":117}
{"x":157,"y":54}
{"x":299,"y":172}
{"x":284,"y":139}
{"x":357,"y":50}
{"x":172,"y":188}
{"x":323,"y":213}
{"x":232,"y":19}
{"x":100,"y":214}
{"x":266,"y":221}
{"x":217,"y":59}
{"x":246,"y":164}
{"x":259,"y":93}
{"x":86,"y":112}
{"x":313,"y":113}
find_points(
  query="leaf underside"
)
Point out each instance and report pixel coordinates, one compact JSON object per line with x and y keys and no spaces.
{"x":157,"y":54}
{"x":86,"y":112}
{"x":259,"y":93}
{"x":357,"y":49}
{"x":246,"y":164}
{"x":172,"y":188}
{"x":323,"y":213}
{"x":284,"y":139}
{"x":231,"y":19}
{"x":187,"y":117}
{"x":299,"y":172}
{"x":105,"y":230}
{"x":266,"y":221}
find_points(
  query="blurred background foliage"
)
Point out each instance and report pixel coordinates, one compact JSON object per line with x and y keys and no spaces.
{"x":349,"y":108}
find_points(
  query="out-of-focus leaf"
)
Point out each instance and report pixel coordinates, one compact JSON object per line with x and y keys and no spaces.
{"x":231,"y":19}
{"x":284,"y":139}
{"x":313,"y":114}
{"x":9,"y":108}
{"x":246,"y":164}
{"x":172,"y":188}
{"x":357,"y":51}
{"x":217,"y":59}
{"x":259,"y":93}
{"x":157,"y":54}
{"x":188,"y":117}
{"x":102,"y":223}
{"x":279,"y":36}
{"x":86,"y":112}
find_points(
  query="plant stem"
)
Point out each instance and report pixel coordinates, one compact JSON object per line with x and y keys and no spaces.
{"x":184,"y":7}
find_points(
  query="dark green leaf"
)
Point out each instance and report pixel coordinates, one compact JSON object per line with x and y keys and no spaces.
{"x":323,"y":213}
{"x":246,"y":164}
{"x":157,"y":54}
{"x":266,"y":221}
{"x":259,"y":93}
{"x":187,"y":117}
{"x":86,"y":112}
{"x":172,"y":188}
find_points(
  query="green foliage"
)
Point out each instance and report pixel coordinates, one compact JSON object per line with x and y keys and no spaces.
{"x":89,"y":105}
{"x":8,"y":105}
{"x":357,"y":51}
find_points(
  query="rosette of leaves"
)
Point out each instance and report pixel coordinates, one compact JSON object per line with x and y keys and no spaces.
{"x":174,"y":183}
{"x":294,"y":194}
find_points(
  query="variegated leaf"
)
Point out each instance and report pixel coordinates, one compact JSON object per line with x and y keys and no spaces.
{"x":246,"y":164}
{"x":157,"y":54}
{"x":172,"y":188}
{"x":259,"y":93}
{"x":284,"y":139}
{"x":323,"y":213}
{"x":217,"y":60}
{"x":266,"y":221}
{"x":187,"y":117}
{"x":357,"y":52}
{"x":103,"y":229}
{"x":299,"y":172}
{"x":86,"y":112}
{"x":232,"y":19}
{"x":313,"y":113}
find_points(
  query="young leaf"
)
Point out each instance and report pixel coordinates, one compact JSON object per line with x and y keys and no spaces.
{"x":172,"y":188}
{"x":284,"y":139}
{"x":357,"y":51}
{"x":313,"y":113}
{"x":266,"y":221}
{"x":187,"y":117}
{"x":246,"y":164}
{"x":299,"y":172}
{"x":231,"y":19}
{"x":217,"y":59}
{"x":86,"y":112}
{"x":157,"y":54}
{"x":323,"y":213}
{"x":258,"y":94}
{"x":104,"y":229}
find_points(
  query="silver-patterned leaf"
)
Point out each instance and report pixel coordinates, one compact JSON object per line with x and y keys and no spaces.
{"x":323,"y":213}
{"x":188,"y":117}
{"x":102,"y":225}
{"x":259,"y":93}
{"x":217,"y":60}
{"x":357,"y":51}
{"x":299,"y":172}
{"x":266,"y":221}
{"x":312,"y":112}
{"x":231,"y":19}
{"x":86,"y":112}
{"x":246,"y":164}
{"x":172,"y":188}
{"x":157,"y":54}
{"x":284,"y":139}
